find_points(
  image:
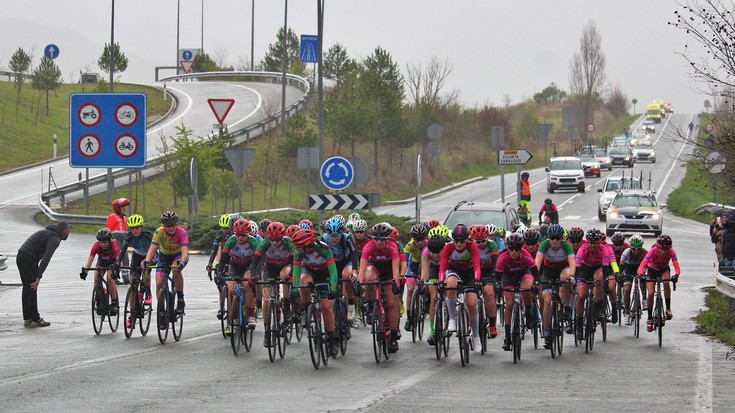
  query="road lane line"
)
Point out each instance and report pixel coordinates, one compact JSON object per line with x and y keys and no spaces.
{"x":671,"y":169}
{"x":393,"y":390}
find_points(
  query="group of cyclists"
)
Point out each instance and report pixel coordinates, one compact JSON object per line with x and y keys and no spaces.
{"x":467,"y":259}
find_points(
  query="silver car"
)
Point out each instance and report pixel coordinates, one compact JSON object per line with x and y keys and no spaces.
{"x":635,"y":211}
{"x":604,"y":159}
{"x":644,"y":151}
{"x":612,"y":185}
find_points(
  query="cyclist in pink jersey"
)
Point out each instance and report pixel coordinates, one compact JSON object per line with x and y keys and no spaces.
{"x":106,"y":250}
{"x":460,"y":260}
{"x":591,"y":259}
{"x":380,"y":261}
{"x":613,"y":270}
{"x":656,"y":265}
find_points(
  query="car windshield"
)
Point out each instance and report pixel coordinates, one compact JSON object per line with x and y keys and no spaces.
{"x":565,"y":165}
{"x":587,"y":158}
{"x":644,"y":145}
{"x":618,"y":151}
{"x":624,"y":200}
{"x":469,"y":217}
{"x":601,"y":153}
{"x":619,"y":183}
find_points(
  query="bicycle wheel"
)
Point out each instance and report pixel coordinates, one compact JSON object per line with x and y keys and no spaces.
{"x":500,"y":305}
{"x":344,"y":327}
{"x":162,"y":316}
{"x":223,"y":308}
{"x":439,"y":329}
{"x":619,"y":302}
{"x":145,"y":314}
{"x":603,"y":322}
{"x":314,"y":335}
{"x":270,"y":329}
{"x":635,"y":312}
{"x":559,"y":333}
{"x":113,"y":320}
{"x":246,"y":336}
{"x":325,"y":348}
{"x":177,"y":320}
{"x":98,"y":314}
{"x":464,"y":348}
{"x":515,"y":326}
{"x":131,"y":298}
{"x":589,"y":328}
{"x":554,"y":328}
{"x":535,"y":326}
{"x":424,"y":301}
{"x":416,"y":314}
{"x":298,"y":324}
{"x":482,"y":323}
{"x":386,"y":331}
{"x":377,"y":330}
{"x":659,"y":318}
{"x":235,"y":327}
{"x":286,"y":324}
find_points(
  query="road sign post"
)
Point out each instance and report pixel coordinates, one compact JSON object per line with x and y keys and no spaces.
{"x":513,"y":157}
{"x":309,"y":52}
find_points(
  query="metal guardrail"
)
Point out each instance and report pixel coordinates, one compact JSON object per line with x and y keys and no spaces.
{"x":241,"y":135}
{"x":725,"y":283}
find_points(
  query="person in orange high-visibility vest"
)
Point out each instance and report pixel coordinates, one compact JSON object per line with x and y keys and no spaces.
{"x":117,"y":223}
{"x":525,"y":187}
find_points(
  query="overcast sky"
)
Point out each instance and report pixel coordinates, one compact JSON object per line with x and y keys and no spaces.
{"x":496,"y":48}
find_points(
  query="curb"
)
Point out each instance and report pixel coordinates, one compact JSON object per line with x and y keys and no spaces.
{"x":439,"y":191}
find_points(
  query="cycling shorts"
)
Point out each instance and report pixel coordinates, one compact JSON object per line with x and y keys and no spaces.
{"x":487,"y":275}
{"x":317,"y":277}
{"x":467,"y":276}
{"x":433,"y":272}
{"x":271,"y":271}
{"x":511,"y":279}
{"x":415,"y":268}
{"x":385,"y":269}
{"x":586,"y":274}
{"x":169,"y":260}
{"x":652,"y":274}
{"x":549,"y":274}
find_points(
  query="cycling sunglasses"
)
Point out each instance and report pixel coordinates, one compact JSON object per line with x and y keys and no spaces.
{"x":514,"y":248}
{"x":240,"y":234}
{"x":380,"y":238}
{"x":275,"y":239}
{"x":555,"y":238}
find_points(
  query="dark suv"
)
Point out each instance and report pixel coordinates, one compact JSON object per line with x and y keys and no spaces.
{"x":472,"y":213}
{"x":622,"y":155}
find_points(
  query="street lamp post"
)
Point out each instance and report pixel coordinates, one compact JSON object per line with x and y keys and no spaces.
{"x":252,"y":34}
{"x":284,"y":62}
{"x":178,"y":18}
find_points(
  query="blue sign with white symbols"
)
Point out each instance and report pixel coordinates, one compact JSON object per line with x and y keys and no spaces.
{"x":337,"y":173}
{"x":309,"y":52}
{"x":51,"y":51}
{"x":107,"y":130}
{"x":186,"y":55}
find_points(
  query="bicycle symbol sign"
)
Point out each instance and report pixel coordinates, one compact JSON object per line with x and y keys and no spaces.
{"x":89,"y":115}
{"x":126,"y":146}
{"x":126,"y":115}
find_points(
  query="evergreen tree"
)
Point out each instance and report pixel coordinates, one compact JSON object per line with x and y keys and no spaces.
{"x":113,"y":58}
{"x":47,"y":77}
{"x":20,"y":63}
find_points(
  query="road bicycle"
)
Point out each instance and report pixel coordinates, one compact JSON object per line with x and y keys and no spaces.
{"x":659,"y":317}
{"x":558,"y":319}
{"x":463,"y":324}
{"x":619,"y":297}
{"x":420,"y":301}
{"x":318,"y":339}
{"x":482,"y":318}
{"x":518,"y":321}
{"x":101,"y":303}
{"x":379,"y":319}
{"x":342,"y":324}
{"x":535,"y":324}
{"x":276,"y":330}
{"x":296,"y":323}
{"x":167,"y":316}
{"x":138,"y":307}
{"x":223,"y":300}
{"x":636,"y":311}
{"x":499,"y":301}
{"x":441,"y":323}
{"x":240,"y":331}
{"x":591,"y":318}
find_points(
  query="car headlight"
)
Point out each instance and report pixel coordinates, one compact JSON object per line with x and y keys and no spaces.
{"x":627,"y":158}
{"x":607,"y":202}
{"x":655,"y":216}
{"x":613,"y":213}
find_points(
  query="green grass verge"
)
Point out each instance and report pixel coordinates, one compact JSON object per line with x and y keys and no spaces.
{"x":27,"y":133}
{"x":717,"y":320}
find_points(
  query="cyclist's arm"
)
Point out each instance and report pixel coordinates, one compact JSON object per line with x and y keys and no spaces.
{"x":296,"y":269}
{"x":352,"y":248}
{"x":443,"y":260}
{"x":424,"y":268}
{"x":124,"y":247}
{"x":644,"y":262}
{"x":539,"y":260}
{"x":614,"y":266}
{"x":185,"y":254}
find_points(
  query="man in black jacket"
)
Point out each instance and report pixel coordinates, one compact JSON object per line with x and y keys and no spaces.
{"x":33,"y":258}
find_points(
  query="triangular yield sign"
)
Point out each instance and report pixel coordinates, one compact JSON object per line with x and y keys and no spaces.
{"x":186,"y":65}
{"x":220,"y":108}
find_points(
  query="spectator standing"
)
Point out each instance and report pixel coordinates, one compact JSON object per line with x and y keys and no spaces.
{"x":117,"y":223}
{"x":32,"y":260}
{"x":525,"y":187}
{"x":727,"y":241}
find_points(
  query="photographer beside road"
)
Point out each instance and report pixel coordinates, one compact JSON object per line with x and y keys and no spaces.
{"x":727,"y":241}
{"x":33,"y":258}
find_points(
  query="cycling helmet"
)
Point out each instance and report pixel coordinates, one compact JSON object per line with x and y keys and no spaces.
{"x":349,"y":225}
{"x":521,"y":230}
{"x":119,"y":204}
{"x":576,"y":234}
{"x":264,"y":223}
{"x":169,"y":218}
{"x":304,"y":238}
{"x":394,"y":234}
{"x":566,"y":235}
{"x":353,"y":216}
{"x":439,"y":230}
{"x":381,"y":229}
{"x":241,"y":226}
{"x":524,"y":175}
{"x":603,"y":237}
{"x":531,"y":236}
{"x":492,"y":229}
{"x":339,"y":218}
{"x":433,"y":223}
{"x":618,"y":238}
{"x":135,"y":220}
{"x":594,"y":235}
{"x":253,"y":228}
{"x":225,"y":221}
{"x":543,"y":229}
{"x":548,"y":201}
{"x":291,"y":230}
{"x":360,"y":225}
{"x":275,"y":230}
{"x":514,"y":240}
{"x":460,"y":232}
{"x":104,"y":234}
{"x":664,"y":240}
{"x":419,"y":231}
{"x":436,"y":243}
{"x":501,"y":232}
{"x":479,"y":232}
{"x":306,"y":224}
{"x":334,"y":226}
{"x":555,"y":230}
{"x":636,"y":241}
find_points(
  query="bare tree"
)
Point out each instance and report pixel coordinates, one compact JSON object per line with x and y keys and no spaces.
{"x":243,"y":63}
{"x":425,"y":84}
{"x":587,"y":72}
{"x":220,"y":56}
{"x":617,"y":101}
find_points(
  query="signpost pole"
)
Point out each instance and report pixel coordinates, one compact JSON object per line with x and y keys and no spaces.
{"x":518,"y":185}
{"x":86,"y":191}
{"x":502,"y":183}
{"x":418,"y":189}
